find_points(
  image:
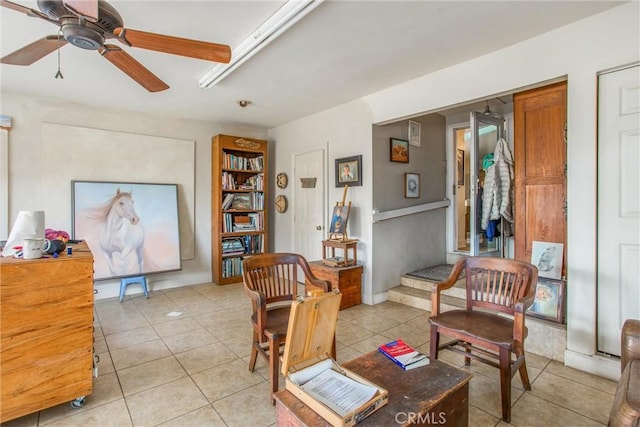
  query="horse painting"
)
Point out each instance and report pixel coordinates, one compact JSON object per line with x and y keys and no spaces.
{"x":121,"y":234}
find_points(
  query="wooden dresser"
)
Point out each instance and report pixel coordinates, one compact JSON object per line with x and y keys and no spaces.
{"x":46,"y":337}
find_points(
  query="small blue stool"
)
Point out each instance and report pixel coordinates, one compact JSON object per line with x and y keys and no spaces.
{"x":134,"y":279}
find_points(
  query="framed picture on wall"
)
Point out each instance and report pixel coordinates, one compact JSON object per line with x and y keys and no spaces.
{"x":414,"y":133}
{"x":549,"y":300}
{"x":411,"y":185}
{"x":349,"y":171}
{"x":399,"y":150}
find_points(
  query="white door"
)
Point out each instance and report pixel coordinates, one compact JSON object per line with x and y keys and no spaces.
{"x":618,"y":259}
{"x":309,"y":204}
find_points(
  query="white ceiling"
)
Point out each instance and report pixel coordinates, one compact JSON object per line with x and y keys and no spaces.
{"x":339,"y":52}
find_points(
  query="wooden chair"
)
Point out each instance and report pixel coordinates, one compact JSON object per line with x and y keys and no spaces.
{"x":271,"y":281}
{"x":493,"y":285}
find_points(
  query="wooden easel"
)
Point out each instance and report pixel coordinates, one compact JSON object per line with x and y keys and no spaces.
{"x":341,"y":236}
{"x":340,"y":240}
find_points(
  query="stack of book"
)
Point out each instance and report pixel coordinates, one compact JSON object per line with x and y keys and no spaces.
{"x":403,"y":355}
{"x":233,"y":247}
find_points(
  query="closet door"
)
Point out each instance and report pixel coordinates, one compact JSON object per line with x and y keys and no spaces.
{"x":540,"y":168}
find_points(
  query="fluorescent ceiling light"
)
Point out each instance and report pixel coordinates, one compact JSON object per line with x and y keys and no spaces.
{"x":285,"y":17}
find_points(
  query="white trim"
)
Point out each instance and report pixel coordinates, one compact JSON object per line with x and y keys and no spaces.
{"x":395,"y":213}
{"x":593,"y":364}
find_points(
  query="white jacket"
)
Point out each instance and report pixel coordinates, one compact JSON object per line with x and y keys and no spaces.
{"x":496,"y":198}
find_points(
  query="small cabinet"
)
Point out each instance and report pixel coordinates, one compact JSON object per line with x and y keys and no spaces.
{"x":347,"y":279}
{"x":239,"y":212}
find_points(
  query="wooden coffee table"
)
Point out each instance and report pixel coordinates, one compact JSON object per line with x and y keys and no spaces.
{"x":436,"y":394}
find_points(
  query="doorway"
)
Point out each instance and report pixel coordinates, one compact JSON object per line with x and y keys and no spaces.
{"x":474,"y":143}
{"x":309,"y":207}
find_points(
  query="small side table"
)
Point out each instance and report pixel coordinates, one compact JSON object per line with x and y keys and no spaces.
{"x":436,"y":394}
{"x":346,"y":246}
{"x":347,"y":279}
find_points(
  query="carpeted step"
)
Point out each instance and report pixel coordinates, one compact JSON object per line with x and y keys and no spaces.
{"x":437,"y":273}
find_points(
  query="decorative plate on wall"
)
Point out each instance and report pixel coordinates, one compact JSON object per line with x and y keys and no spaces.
{"x":282,"y":180}
{"x":281,"y":204}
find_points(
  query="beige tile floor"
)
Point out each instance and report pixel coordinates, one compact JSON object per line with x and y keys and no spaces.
{"x":180,"y":358}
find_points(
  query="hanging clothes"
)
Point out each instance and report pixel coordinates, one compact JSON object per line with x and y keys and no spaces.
{"x":496,"y":200}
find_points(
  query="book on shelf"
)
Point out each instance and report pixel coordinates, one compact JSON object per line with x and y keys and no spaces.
{"x":403,"y":355}
{"x":226,"y":203}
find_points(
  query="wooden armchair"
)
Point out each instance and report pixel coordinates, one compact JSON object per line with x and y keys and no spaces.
{"x":271,"y":281}
{"x":493,"y":285}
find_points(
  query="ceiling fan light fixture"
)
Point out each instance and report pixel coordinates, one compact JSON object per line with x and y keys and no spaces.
{"x":283,"y":19}
{"x":82,"y":37}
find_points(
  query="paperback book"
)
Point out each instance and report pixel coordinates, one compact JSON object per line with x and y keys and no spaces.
{"x":403,"y":355}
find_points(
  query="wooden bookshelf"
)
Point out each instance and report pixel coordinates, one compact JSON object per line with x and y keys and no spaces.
{"x":239,"y":214}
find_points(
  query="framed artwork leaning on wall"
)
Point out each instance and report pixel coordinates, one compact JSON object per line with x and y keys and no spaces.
{"x":131,"y":228}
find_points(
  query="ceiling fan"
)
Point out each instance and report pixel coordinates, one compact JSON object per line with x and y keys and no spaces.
{"x":89,"y":23}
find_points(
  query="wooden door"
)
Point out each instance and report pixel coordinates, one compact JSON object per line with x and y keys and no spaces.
{"x":618,"y":204}
{"x":540,"y":117}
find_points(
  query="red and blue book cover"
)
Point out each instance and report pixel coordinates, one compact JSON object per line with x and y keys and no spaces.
{"x":403,"y":355}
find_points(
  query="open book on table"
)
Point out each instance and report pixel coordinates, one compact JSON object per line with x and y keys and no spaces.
{"x":403,"y":355}
{"x":334,"y":389}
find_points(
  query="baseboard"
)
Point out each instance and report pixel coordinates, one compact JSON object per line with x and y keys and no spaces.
{"x":607,"y":367}
{"x":377,"y":298}
{"x":111,"y":288}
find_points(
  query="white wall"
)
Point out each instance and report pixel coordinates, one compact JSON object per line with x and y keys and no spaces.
{"x":346,"y":131}
{"x":413,"y":241}
{"x":578,"y":51}
{"x":25,"y":147}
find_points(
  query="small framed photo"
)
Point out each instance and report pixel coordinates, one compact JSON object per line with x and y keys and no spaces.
{"x":399,"y":150}
{"x":549,"y":300}
{"x":411,"y":185}
{"x":349,"y":171}
{"x":414,"y":133}
{"x":547,"y":257}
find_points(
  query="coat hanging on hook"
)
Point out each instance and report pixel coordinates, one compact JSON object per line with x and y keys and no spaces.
{"x":496,"y":198}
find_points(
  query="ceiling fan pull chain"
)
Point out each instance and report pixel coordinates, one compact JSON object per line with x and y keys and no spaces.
{"x":59,"y":73}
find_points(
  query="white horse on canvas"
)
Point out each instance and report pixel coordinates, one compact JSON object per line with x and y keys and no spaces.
{"x":121,"y":235}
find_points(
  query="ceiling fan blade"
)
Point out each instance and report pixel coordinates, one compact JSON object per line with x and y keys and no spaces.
{"x":30,"y":12}
{"x":175,"y":45}
{"x":133,"y":68}
{"x":15,"y":6}
{"x":88,"y":9}
{"x":34,"y":51}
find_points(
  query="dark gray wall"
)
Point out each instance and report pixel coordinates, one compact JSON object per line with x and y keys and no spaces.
{"x":411,"y":242}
